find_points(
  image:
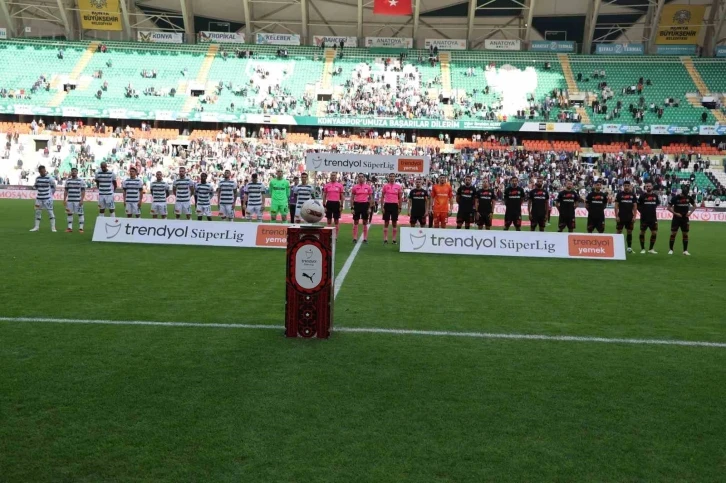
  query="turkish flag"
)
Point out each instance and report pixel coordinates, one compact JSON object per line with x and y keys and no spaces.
{"x":392,"y":7}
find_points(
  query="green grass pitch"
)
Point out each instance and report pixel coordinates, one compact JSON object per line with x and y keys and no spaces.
{"x":90,"y":403}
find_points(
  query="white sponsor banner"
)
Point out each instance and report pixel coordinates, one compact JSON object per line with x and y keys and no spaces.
{"x":277,"y":39}
{"x":446,"y":44}
{"x":178,"y":232}
{"x":502,"y":44}
{"x":160,"y":37}
{"x":512,"y":244}
{"x":367,"y":163}
{"x":221,"y":37}
{"x":390,"y":42}
{"x":332,"y":39}
{"x":3,"y":33}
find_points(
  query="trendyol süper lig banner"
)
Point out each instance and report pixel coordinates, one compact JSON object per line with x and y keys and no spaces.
{"x":367,"y":163}
{"x":512,"y":244}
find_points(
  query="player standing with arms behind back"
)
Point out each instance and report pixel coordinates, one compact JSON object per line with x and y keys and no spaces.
{"x":203,"y":198}
{"x":486,"y":200}
{"x":566,"y":203}
{"x":595,"y":202}
{"x":292,"y":200}
{"x":625,"y":213}
{"x":418,"y":205}
{"x":538,"y":203}
{"x":361,"y":199}
{"x":159,"y":192}
{"x":254,"y":199}
{"x":392,"y":193}
{"x":332,"y":199}
{"x":513,"y":198}
{"x":443,"y":197}
{"x":45,"y":186}
{"x":465,"y":196}
{"x":647,"y":206}
{"x":133,"y":194}
{"x":183,"y":190}
{"x":227,"y":196}
{"x":681,"y":206}
{"x":106,"y":182}
{"x":73,"y":197}
{"x":279,"y":197}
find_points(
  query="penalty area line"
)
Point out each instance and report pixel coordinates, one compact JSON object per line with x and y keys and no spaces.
{"x":377,"y":330}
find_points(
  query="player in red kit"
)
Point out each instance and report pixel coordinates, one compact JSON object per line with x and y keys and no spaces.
{"x":361,"y":199}
{"x":332,"y":198}
{"x":392,"y":195}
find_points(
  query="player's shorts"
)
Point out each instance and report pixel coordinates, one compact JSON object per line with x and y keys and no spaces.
{"x":682,"y":223}
{"x":158,"y":209}
{"x":205,"y":210}
{"x":226,"y":211}
{"x":279,"y":207}
{"x":293,"y":210}
{"x":46,"y":205}
{"x":441,"y":217}
{"x":332,"y":210}
{"x":183,"y":208}
{"x":254,"y":210}
{"x":132,"y":208}
{"x":538,"y":220}
{"x":566,"y":222}
{"x":625,"y":223}
{"x":651,"y":225}
{"x":390,"y":212}
{"x":595,"y":222}
{"x":106,"y":202}
{"x":484,"y":219}
{"x":464,"y":216}
{"x":512,"y":219}
{"x":416,"y":218}
{"x":74,"y":208}
{"x":360,"y":210}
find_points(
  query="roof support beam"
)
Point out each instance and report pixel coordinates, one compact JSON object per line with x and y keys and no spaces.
{"x":593,"y":10}
{"x":64,"y":18}
{"x":248,"y":20}
{"x":650,"y":46}
{"x":416,"y":10}
{"x":187,"y":10}
{"x":717,"y":34}
{"x":8,"y":18}
{"x":531,"y":4}
{"x":709,"y":40}
{"x":470,"y":22}
{"x":127,"y":20}
{"x":360,"y":22}
{"x":304,"y":18}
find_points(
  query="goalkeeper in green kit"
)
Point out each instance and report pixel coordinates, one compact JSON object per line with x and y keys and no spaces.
{"x":279,"y":194}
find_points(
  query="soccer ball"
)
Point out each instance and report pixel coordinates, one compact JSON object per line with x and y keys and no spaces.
{"x":312,"y":211}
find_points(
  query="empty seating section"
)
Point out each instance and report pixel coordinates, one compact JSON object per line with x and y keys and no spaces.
{"x":615,"y":148}
{"x":669,"y":78}
{"x":679,"y":148}
{"x":702,"y":180}
{"x":713,"y":73}
{"x":24,"y":63}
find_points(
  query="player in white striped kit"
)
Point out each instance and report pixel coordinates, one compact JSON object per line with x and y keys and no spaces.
{"x":159,"y":192}
{"x":133,"y":194}
{"x":254,"y":199}
{"x":45,"y":185}
{"x":73,"y":197}
{"x":183,"y":190}
{"x":227,"y":196}
{"x":203,"y":198}
{"x":304,"y":192}
{"x":106,"y":182}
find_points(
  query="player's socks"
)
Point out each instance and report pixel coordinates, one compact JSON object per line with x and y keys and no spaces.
{"x":70,"y":222}
{"x":629,"y":239}
{"x":395,"y":232}
{"x":652,"y":241}
{"x":685,"y":243}
{"x":365,"y":232}
{"x":355,"y":232}
{"x":81,"y":221}
{"x":385,"y":234}
{"x":52,"y":221}
{"x":672,"y":241}
{"x":642,"y":241}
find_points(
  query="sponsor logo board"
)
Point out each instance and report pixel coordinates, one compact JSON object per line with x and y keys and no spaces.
{"x":160,"y":37}
{"x":3,"y":33}
{"x":680,"y":24}
{"x":277,"y":39}
{"x":446,"y":44}
{"x":333,"y":39}
{"x":552,"y":46}
{"x":100,"y":14}
{"x":620,"y":49}
{"x":390,"y":42}
{"x":178,"y":232}
{"x":367,"y":163}
{"x":221,"y":37}
{"x":512,"y":244}
{"x":502,"y":44}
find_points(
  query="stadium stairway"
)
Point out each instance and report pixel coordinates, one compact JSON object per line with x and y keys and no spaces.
{"x":702,"y":87}
{"x":326,"y":79}
{"x":75,"y":73}
{"x":445,"y":66}
{"x":202,"y":75}
{"x":572,"y":85}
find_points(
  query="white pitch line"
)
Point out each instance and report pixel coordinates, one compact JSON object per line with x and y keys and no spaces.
{"x":377,"y":330}
{"x":346,"y":267}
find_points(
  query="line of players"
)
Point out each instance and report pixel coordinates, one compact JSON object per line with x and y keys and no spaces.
{"x":474,"y":205}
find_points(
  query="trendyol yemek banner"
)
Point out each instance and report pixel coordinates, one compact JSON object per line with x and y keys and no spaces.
{"x":160,"y":37}
{"x":221,"y":37}
{"x":502,"y":44}
{"x":446,"y":44}
{"x":367,"y":163}
{"x":620,"y":49}
{"x":177,"y":232}
{"x":332,"y":39}
{"x":512,"y":244}
{"x":390,"y":42}
{"x":552,"y":46}
{"x":277,"y":39}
